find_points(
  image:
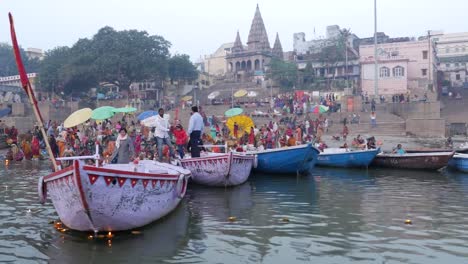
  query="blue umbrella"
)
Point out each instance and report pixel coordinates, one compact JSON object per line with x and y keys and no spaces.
{"x":147,"y":114}
{"x":5,"y":112}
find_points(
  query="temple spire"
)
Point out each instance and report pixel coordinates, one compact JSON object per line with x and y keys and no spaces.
{"x":277,"y":48}
{"x":258,"y":38}
{"x":238,"y":47}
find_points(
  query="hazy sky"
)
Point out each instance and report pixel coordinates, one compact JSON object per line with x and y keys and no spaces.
{"x":199,"y":27}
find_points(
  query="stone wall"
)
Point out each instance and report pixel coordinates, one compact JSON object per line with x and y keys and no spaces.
{"x":415,"y":109}
{"x":426,"y":127}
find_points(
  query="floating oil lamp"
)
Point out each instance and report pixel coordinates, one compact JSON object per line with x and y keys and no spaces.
{"x":110,"y":235}
{"x":7,"y":162}
{"x":232,"y":218}
{"x":408,"y":222}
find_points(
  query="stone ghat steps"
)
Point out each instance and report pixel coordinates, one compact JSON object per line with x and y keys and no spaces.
{"x":383,"y":128}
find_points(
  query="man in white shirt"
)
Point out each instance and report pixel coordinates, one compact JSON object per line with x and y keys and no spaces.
{"x":162,"y":135}
{"x":194,"y":130}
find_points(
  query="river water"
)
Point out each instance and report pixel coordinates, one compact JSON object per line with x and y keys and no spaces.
{"x":331,"y":216}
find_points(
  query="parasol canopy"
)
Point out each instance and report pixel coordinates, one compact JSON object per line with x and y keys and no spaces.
{"x":240,"y":93}
{"x":78,"y":117}
{"x":318,"y":109}
{"x":124,"y":110}
{"x":186,"y":98}
{"x":233,"y":112}
{"x":103,"y":112}
{"x":252,"y":94}
{"x":213,"y":95}
{"x":244,"y":123}
{"x":147,"y":114}
{"x":151,"y":121}
{"x":5,"y":112}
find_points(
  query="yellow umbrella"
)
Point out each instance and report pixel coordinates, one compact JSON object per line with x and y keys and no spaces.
{"x":244,"y":123}
{"x":240,"y":93}
{"x":78,"y":117}
{"x":186,"y":98}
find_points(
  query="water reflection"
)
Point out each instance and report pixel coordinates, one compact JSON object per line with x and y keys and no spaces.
{"x":331,"y":216}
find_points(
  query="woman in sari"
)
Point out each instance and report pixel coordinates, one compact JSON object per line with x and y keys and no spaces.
{"x":26,"y":147}
{"x":35,"y":148}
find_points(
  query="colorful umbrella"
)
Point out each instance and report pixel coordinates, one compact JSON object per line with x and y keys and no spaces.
{"x":147,"y":114}
{"x":318,"y":109}
{"x":252,"y":94}
{"x":240,"y":93}
{"x":213,"y":95}
{"x":186,"y":98}
{"x":124,"y":110}
{"x":103,"y":112}
{"x":233,"y":112}
{"x":5,"y":112}
{"x":78,"y":117}
{"x":244,"y":123}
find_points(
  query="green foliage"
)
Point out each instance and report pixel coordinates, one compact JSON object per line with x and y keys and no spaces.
{"x":284,"y":73}
{"x":118,"y":57}
{"x":181,"y":68}
{"x":8,"y":64}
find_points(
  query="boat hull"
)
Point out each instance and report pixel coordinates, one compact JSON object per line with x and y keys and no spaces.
{"x":291,"y":160}
{"x":420,"y":161}
{"x":459,"y":162}
{"x":89,"y":198}
{"x":350,"y":159}
{"x":220,"y":170}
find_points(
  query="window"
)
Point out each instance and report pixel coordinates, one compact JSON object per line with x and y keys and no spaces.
{"x":424,"y":53}
{"x":424,"y":72}
{"x":384,"y":72}
{"x":456,"y":64}
{"x":447,"y":65}
{"x":457,"y":77}
{"x":457,"y":49}
{"x":447,"y":50}
{"x":398,"y":71}
{"x":463,"y":49}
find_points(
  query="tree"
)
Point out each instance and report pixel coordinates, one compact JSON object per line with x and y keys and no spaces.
{"x":8,"y":64}
{"x":180,"y":68}
{"x":117,"y":57}
{"x":282,"y":72}
{"x":123,"y":57}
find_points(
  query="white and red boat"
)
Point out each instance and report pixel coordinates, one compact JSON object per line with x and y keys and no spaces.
{"x":220,"y":169}
{"x":114,"y":197}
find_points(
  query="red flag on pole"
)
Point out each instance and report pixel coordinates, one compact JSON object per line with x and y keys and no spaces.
{"x":19,"y":61}
{"x":27,"y":88}
{"x":21,"y":70}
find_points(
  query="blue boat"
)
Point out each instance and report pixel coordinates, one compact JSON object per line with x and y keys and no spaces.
{"x":459,"y":162}
{"x":346,"y":158}
{"x":290,"y":160}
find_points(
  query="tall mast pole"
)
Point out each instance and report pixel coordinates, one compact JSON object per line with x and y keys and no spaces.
{"x":376,"y":74}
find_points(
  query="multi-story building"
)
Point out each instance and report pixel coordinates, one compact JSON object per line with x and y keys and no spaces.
{"x":401,"y":66}
{"x":215,"y":64}
{"x":452,"y":53}
{"x":301,"y":46}
{"x":15,"y":80}
{"x":34,"y":53}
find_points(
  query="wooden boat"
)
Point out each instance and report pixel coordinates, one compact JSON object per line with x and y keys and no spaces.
{"x":346,"y":158}
{"x":114,"y":197}
{"x":220,"y":169}
{"x":289,"y":160}
{"x":459,"y":162}
{"x":422,"y":161}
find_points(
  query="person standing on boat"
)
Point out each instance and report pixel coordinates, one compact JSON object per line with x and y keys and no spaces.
{"x":162,"y":135}
{"x":194,"y":129}
{"x":124,"y":149}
